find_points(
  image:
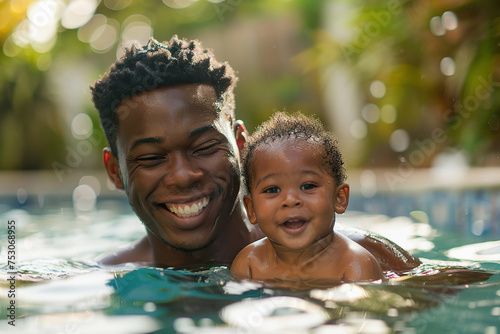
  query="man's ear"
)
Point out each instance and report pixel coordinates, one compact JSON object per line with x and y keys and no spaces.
{"x":241,"y":134}
{"x":247,"y":200}
{"x":342,"y":198}
{"x":111,"y":166}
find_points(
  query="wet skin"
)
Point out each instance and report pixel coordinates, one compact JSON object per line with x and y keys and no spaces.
{"x":178,"y":163}
{"x":294,"y":202}
{"x":174,"y":149}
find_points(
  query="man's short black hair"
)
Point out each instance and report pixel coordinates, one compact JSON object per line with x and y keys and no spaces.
{"x":298,"y":126}
{"x":155,"y":65}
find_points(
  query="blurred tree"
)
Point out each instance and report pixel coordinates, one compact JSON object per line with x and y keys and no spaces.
{"x":418,"y":66}
{"x":422,"y":67}
{"x":30,"y":126}
{"x":53,"y":50}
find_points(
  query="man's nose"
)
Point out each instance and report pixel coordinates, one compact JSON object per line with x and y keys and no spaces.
{"x":292,"y":199}
{"x":181,"y":171}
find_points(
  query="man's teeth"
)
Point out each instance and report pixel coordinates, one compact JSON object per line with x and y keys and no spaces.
{"x":189,"y":210}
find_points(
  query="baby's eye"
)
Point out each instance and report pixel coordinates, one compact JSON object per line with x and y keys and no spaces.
{"x":308,"y":186}
{"x":272,"y":190}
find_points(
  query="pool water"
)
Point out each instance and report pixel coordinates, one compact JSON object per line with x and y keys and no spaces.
{"x":60,"y":289}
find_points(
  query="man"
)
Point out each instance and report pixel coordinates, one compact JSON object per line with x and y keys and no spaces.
{"x":168,"y":114}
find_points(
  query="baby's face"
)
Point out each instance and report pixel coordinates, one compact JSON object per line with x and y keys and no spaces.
{"x":292,"y":197}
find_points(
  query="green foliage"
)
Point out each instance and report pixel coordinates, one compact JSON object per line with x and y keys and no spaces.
{"x":283,"y":51}
{"x":30,"y":126}
{"x":392,"y":41}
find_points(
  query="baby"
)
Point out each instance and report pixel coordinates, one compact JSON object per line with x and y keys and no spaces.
{"x":295,"y":175}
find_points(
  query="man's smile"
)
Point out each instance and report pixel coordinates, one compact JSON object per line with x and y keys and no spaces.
{"x":191,"y":209}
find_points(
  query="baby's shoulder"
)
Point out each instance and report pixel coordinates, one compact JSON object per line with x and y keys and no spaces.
{"x":359,"y":263}
{"x":256,"y":248}
{"x":351,"y":248}
{"x":249,"y":258}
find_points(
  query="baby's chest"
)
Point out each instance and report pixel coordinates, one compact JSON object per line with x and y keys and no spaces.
{"x":296,"y":272}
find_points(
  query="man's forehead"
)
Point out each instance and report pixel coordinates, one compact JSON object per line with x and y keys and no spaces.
{"x":205,"y":93}
{"x":192,"y":93}
{"x":187,"y":106}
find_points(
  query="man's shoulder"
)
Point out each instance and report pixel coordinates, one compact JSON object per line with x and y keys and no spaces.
{"x":389,"y":255}
{"x":350,"y":249}
{"x":137,"y":252}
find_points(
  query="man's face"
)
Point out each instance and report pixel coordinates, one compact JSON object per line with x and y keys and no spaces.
{"x":178,"y":163}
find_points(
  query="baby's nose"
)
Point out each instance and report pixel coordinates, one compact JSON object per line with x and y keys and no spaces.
{"x":292,"y":199}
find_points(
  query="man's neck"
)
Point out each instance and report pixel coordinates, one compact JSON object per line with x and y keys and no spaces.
{"x":235,"y":234}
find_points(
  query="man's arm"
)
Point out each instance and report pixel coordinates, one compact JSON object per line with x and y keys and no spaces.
{"x":388,"y":254}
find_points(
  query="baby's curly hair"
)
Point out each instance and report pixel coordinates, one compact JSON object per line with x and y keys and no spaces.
{"x":283,"y":126}
{"x":155,"y":65}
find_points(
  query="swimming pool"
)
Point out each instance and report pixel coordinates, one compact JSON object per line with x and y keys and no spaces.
{"x":58,"y":289}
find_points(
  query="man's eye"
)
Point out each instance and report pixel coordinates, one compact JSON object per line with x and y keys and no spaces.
{"x":272,"y":190}
{"x":207,"y":149}
{"x":151,"y":159}
{"x":308,"y":186}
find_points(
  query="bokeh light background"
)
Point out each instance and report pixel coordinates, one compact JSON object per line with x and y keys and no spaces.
{"x":410,"y":87}
{"x":405,"y":84}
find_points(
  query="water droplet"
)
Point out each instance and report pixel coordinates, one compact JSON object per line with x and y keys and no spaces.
{"x":450,"y":20}
{"x":358,"y":129}
{"x":436,"y":26}
{"x":377,"y":89}
{"x":149,"y":307}
{"x":81,"y":126}
{"x":84,"y":198}
{"x":22,"y":195}
{"x":91,"y":181}
{"x":388,"y":114}
{"x":370,"y":113}
{"x":447,"y":66}
{"x":399,"y":140}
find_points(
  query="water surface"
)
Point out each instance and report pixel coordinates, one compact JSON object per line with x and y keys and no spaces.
{"x":60,"y":289}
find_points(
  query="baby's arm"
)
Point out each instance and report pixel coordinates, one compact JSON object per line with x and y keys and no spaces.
{"x":240,"y":268}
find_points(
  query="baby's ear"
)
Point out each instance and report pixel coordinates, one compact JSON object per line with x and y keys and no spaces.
{"x":342,"y":198}
{"x":247,"y":200}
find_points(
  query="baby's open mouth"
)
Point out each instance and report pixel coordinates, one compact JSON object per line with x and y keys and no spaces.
{"x":294,"y":224}
{"x":185,"y":210}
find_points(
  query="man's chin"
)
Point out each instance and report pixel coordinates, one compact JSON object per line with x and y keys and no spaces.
{"x":186,"y":248}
